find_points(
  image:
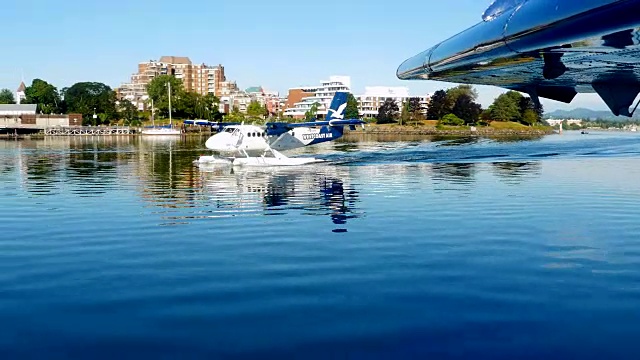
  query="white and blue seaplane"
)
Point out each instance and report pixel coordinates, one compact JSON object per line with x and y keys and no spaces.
{"x":253,"y":145}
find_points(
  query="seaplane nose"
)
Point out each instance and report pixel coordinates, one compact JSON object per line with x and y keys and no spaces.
{"x":415,"y":67}
{"x":218,"y":142}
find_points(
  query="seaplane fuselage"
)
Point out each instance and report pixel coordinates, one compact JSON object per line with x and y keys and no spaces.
{"x":252,"y":140}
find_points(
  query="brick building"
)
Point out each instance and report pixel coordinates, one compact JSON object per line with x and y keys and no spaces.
{"x":200,"y":78}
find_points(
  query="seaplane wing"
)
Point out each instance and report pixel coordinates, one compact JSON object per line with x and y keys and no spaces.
{"x":553,"y":49}
{"x":219,"y":126}
{"x":276,"y":127}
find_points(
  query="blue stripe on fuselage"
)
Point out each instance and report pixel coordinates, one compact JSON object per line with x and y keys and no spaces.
{"x":327,"y":133}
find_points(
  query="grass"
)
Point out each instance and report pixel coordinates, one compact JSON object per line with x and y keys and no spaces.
{"x":452,"y":128}
{"x":508,"y":125}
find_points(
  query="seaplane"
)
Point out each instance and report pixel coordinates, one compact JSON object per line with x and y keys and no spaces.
{"x":253,"y":145}
{"x":551,"y":49}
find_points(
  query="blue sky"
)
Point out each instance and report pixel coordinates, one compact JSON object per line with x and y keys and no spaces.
{"x":277,"y":44}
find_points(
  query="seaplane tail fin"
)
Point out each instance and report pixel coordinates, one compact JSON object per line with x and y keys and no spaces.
{"x":338,"y":106}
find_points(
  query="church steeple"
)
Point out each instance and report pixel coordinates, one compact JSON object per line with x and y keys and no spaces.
{"x":20,"y":93}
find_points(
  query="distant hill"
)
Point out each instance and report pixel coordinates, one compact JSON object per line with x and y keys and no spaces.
{"x":587,"y":114}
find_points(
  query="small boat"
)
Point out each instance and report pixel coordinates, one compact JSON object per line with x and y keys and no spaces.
{"x":161,"y":131}
{"x":585,"y":132}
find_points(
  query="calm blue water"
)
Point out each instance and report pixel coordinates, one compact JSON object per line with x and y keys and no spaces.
{"x":121,"y":248}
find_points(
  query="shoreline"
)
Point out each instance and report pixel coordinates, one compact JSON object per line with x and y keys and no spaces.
{"x":384,"y":130}
{"x":462,"y":132}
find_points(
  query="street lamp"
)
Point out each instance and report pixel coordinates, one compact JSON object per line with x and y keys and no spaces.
{"x":95,"y":117}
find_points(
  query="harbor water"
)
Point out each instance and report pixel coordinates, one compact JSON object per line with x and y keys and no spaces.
{"x":120,"y":247}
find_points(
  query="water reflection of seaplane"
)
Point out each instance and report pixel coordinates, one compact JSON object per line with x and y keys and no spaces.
{"x":325,"y":191}
{"x":251,"y":145}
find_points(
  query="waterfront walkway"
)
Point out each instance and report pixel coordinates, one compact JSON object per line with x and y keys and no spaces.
{"x":89,"y":130}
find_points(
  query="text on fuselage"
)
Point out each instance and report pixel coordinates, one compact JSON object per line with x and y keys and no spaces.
{"x":317,"y":136}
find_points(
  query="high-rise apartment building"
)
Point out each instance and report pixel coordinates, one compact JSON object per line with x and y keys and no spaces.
{"x":199,"y":78}
{"x":302,"y":99}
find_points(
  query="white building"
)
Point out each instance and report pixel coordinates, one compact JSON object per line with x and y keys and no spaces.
{"x":554,"y":122}
{"x":323,"y":96}
{"x":375,"y":96}
{"x":11,"y":110}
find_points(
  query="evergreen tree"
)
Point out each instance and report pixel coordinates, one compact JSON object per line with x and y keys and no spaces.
{"x":437,"y":106}
{"x":351,"y":112}
{"x":388,"y":112}
{"x":466,"y":109}
{"x":415,"y":110}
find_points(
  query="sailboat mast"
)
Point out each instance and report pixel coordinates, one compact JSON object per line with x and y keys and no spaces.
{"x":169,"y":89}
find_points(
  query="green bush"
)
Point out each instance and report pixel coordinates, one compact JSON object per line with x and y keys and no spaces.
{"x":451,"y":120}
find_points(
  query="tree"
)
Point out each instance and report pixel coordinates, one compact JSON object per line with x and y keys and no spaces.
{"x":256,"y":110}
{"x":6,"y":97}
{"x":235,"y":115}
{"x":388,"y":112}
{"x":186,"y":105}
{"x":158,"y":91}
{"x":412,"y":111}
{"x":527,"y":104}
{"x":87,"y":98}
{"x":454,"y":93}
{"x":128,"y":112}
{"x":351,"y":112}
{"x":206,"y":107}
{"x":437,"y":106}
{"x":404,"y":114}
{"x":529,"y":117}
{"x":506,"y":107}
{"x":311,"y":114}
{"x":45,"y":95}
{"x":466,"y":109}
{"x":539,"y":109}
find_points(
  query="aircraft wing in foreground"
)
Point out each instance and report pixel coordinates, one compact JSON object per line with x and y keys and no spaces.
{"x":547,"y":48}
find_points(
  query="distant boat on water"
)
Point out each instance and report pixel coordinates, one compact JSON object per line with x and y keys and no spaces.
{"x":162,"y":130}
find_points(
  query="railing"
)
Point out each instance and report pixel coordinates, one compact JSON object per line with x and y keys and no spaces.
{"x":88,"y":130}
